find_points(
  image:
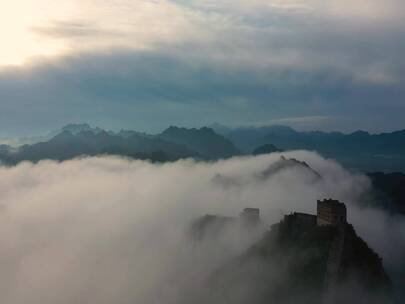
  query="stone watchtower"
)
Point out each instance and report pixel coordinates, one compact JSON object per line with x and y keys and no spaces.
{"x":330,"y":212}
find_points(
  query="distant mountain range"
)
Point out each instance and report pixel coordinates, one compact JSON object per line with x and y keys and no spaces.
{"x":80,"y":140}
{"x":359,"y":150}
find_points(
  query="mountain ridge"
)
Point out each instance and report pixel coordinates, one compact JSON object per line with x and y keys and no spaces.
{"x":76,"y":140}
{"x":204,"y":140}
{"x":360,"y":150}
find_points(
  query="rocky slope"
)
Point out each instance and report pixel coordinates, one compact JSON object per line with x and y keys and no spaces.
{"x":297,"y":261}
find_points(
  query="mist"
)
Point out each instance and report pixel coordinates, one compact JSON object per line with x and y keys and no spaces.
{"x":114,"y":230}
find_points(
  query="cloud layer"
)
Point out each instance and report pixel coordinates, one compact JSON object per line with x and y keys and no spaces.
{"x":149,"y":64}
{"x":104,"y":230}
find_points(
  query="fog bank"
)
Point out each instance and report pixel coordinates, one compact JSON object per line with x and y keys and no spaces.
{"x":112,"y":230}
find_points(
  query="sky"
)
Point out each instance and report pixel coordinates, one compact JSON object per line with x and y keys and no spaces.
{"x":310,"y":64}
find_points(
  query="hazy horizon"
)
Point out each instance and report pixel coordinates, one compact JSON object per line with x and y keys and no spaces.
{"x":58,"y":127}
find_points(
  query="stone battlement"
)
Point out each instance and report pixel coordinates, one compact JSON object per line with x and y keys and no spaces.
{"x":331,"y":212}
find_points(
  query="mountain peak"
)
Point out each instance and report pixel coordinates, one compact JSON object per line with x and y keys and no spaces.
{"x":360,"y":133}
{"x":220,"y":129}
{"x":173,"y":129}
{"x":63,"y":135}
{"x":289,"y":163}
{"x":203,"y":140}
{"x":76,"y":125}
{"x":75,"y":128}
{"x":266,"y":149}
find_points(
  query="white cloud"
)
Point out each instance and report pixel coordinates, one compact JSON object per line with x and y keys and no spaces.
{"x":258,"y":33}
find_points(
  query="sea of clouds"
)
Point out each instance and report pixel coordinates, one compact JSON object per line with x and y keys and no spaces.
{"x":113,"y":230}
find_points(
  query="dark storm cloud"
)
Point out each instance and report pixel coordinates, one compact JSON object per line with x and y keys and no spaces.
{"x":152,"y":90}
